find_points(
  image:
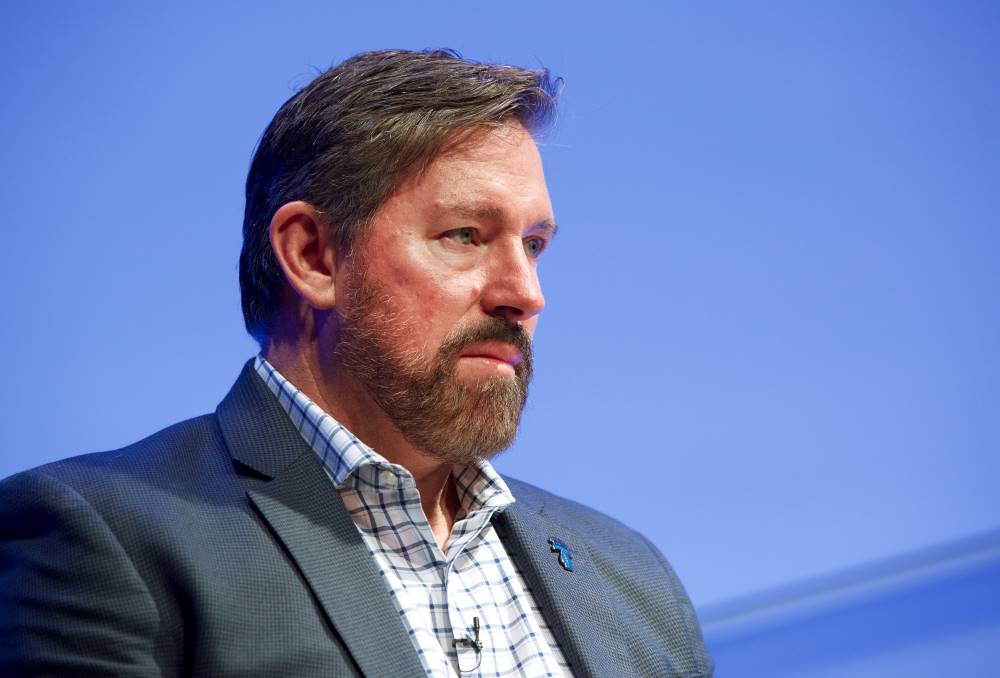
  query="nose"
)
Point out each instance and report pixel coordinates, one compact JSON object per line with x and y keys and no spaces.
{"x":512,"y":290}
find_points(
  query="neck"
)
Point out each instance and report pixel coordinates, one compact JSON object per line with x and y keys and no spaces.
{"x":340,"y":395}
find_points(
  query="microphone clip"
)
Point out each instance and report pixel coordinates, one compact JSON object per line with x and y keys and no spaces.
{"x":471,"y":641}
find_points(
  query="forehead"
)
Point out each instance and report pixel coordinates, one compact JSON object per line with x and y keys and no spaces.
{"x":485,"y":143}
{"x":488,"y":172}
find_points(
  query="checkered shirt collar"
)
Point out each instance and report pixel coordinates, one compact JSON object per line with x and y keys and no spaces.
{"x":347,"y":459}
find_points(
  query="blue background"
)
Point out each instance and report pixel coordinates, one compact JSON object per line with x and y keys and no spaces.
{"x":772,"y":326}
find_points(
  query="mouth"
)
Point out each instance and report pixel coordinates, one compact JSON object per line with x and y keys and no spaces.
{"x":497,"y":356}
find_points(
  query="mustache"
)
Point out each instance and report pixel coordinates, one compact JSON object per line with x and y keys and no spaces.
{"x":493,"y":329}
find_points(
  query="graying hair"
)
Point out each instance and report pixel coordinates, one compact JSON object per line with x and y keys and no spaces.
{"x":352,"y":136}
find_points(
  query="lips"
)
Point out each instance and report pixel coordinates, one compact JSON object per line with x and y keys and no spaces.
{"x":494,"y":350}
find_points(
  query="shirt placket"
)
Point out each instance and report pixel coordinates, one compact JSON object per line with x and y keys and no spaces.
{"x":425,"y":557}
{"x":465,"y":613}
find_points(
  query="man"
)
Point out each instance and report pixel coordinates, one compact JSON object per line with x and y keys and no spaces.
{"x":337,"y":515}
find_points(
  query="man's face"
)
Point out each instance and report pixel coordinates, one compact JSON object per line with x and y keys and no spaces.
{"x":442,"y":296}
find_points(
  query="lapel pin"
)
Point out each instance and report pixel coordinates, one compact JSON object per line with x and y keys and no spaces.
{"x":565,"y":555}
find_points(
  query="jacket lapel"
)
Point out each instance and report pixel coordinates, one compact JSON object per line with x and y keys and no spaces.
{"x":306,"y":514}
{"x":574,"y":602}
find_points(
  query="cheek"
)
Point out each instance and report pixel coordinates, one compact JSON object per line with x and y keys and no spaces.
{"x":437,"y":293}
{"x":430,"y":298}
{"x":431,"y":309}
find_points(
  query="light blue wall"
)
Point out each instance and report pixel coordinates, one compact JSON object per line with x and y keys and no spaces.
{"x":772,"y":324}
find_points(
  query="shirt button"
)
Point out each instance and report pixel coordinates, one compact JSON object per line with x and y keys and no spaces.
{"x":387,"y":479}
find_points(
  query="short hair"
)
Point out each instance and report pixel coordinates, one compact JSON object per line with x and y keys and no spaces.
{"x":347,"y":140}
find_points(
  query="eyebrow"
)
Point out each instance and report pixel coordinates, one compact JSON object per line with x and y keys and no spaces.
{"x":493,"y":213}
{"x":548,"y":226}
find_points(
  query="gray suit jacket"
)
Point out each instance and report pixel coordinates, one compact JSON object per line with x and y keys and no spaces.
{"x":219,"y":547}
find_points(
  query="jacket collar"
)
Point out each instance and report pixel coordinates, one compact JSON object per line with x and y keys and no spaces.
{"x":256,"y":430}
{"x":301,"y":506}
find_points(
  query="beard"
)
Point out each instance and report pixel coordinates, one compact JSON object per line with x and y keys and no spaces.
{"x":449,"y":419}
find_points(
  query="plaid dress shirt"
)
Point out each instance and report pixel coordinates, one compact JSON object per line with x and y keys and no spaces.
{"x":439,"y":597}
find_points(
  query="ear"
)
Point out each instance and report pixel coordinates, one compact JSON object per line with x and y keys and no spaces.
{"x":306,"y":250}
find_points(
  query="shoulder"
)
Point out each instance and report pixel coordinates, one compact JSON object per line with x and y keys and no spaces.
{"x":183,"y":447}
{"x":123,"y":510}
{"x":577,"y":517}
{"x":646,"y":591}
{"x":610,"y":540}
{"x":82,"y":544}
{"x":622,"y":553}
{"x":136,"y":482}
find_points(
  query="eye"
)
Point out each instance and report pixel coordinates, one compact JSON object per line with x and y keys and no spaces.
{"x":534,"y":246}
{"x":463,"y":236}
